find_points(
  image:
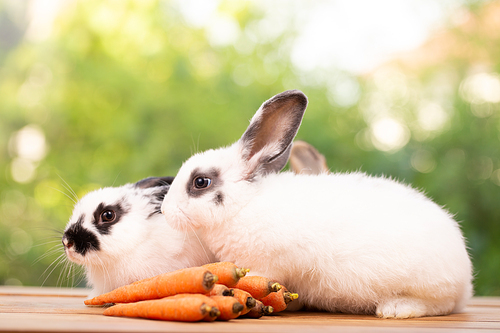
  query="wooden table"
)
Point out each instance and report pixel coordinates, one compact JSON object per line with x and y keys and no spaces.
{"x":33,"y":309}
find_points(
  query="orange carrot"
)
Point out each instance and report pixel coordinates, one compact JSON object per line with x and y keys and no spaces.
{"x":228,"y":273}
{"x":229,"y":307}
{"x":258,"y":286}
{"x":189,"y":280}
{"x":279,"y":299}
{"x":245,"y":299}
{"x":190,"y":308}
{"x":212,"y":314}
{"x":258,"y":311}
{"x":220,"y":290}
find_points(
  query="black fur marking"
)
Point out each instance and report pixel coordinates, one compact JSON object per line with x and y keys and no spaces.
{"x":160,"y":195}
{"x":163,"y":184}
{"x":219,"y":198}
{"x":82,"y":239}
{"x":104,"y":228}
{"x":157,"y":199}
{"x":154,"y":182}
{"x":213,"y":174}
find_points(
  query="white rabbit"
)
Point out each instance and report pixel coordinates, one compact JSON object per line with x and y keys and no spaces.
{"x":344,"y":242}
{"x":120,"y":236}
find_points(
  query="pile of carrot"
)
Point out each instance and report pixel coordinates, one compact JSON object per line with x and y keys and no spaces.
{"x":218,"y":291}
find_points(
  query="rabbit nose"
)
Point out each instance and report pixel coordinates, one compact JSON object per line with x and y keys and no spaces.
{"x":67,"y":243}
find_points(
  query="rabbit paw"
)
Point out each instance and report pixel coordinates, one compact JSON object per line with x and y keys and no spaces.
{"x":401,"y":308}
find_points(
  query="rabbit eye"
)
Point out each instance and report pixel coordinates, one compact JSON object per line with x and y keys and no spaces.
{"x":108,"y":216}
{"x":202,"y":182}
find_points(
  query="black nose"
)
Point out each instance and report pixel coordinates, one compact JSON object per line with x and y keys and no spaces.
{"x":80,"y":239}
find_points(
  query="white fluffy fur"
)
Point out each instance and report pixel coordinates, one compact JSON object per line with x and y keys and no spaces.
{"x":344,"y":242}
{"x":138,"y":246}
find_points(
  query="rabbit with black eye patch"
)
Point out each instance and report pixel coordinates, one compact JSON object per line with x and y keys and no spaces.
{"x":344,"y":242}
{"x":120,"y":236}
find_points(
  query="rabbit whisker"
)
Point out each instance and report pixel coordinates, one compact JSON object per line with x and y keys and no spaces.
{"x":60,"y":279}
{"x":79,"y":274}
{"x":114,"y":181}
{"x":49,"y":242}
{"x":68,"y":187}
{"x":107,"y":276}
{"x":57,"y":262}
{"x":66,"y":194}
{"x":196,"y":145}
{"x":183,"y":241}
{"x":46,"y":228}
{"x":73,"y":271}
{"x":201,"y":243}
{"x":54,"y":249}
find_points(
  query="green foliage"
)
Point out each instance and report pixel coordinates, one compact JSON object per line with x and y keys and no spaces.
{"x":123,"y":90}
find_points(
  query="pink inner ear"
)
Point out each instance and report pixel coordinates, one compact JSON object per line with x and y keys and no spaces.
{"x":274,"y":123}
{"x":271,"y":132}
{"x":256,"y":161}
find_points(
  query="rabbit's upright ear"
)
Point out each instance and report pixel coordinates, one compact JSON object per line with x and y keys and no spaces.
{"x":265,"y":145}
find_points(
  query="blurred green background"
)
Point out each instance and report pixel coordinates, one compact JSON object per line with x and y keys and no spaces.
{"x":101,"y":93}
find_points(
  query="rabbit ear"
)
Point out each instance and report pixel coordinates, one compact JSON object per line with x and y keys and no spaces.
{"x":305,"y":159}
{"x":154,"y":182}
{"x":265,"y":145}
{"x":277,"y":164}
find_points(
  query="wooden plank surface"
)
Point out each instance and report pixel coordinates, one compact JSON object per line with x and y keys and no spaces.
{"x":32,"y":309}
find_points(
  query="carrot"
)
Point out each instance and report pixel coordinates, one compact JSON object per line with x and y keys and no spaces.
{"x":229,"y":307}
{"x":189,"y":280}
{"x":212,"y":314}
{"x":192,"y":308}
{"x":220,"y":290}
{"x":258,"y":286}
{"x":279,"y":299}
{"x":245,"y":299}
{"x":258,"y":311}
{"x":228,"y":273}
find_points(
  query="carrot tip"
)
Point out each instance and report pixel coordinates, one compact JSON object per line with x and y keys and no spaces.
{"x":214,"y":312}
{"x":290,"y":296}
{"x":241,"y":272}
{"x":210,"y":311}
{"x":251,"y":302}
{"x":209,"y":280}
{"x":267,"y":310}
{"x":205,"y":308}
{"x":228,"y":292}
{"x":275,"y":287}
{"x":238,"y":307}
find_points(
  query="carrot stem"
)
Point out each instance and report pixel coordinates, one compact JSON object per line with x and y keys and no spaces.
{"x":288,"y":296}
